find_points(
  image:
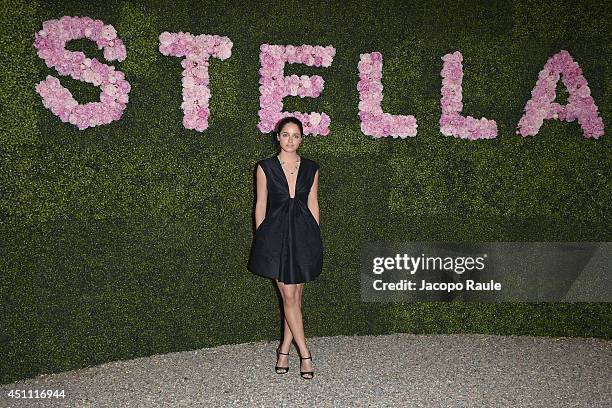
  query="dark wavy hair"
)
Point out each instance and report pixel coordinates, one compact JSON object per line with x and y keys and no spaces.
{"x":281,"y":123}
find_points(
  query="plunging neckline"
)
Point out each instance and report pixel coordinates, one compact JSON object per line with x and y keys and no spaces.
{"x":287,"y":180}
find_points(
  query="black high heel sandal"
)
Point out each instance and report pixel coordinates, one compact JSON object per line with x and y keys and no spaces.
{"x":305,"y":373}
{"x":277,"y":368}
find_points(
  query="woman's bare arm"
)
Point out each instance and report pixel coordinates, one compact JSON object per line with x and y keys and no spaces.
{"x":313,"y":201}
{"x":262,"y":197}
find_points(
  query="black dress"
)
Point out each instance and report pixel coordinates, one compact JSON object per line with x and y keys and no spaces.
{"x":288,"y":244}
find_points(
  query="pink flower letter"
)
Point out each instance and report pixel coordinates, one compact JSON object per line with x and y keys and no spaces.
{"x":197,"y":50}
{"x":275,"y":85}
{"x":51,"y":45}
{"x":373,"y":121}
{"x":580,"y":103}
{"x":452,"y":123}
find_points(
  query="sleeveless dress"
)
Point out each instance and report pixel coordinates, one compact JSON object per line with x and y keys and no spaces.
{"x":288,"y":243}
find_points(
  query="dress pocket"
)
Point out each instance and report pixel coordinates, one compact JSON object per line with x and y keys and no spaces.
{"x":314,"y":221}
{"x":261,"y":225}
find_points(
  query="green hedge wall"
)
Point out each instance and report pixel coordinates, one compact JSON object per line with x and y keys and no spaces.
{"x":132,"y":239}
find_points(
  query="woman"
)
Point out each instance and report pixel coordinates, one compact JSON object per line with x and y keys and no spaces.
{"x":288,"y":245}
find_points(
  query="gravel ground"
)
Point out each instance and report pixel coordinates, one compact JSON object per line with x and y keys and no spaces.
{"x":379,"y":371}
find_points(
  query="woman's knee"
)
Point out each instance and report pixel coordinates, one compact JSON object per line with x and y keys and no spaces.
{"x":291,"y":297}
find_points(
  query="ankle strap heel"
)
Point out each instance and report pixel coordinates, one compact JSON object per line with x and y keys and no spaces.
{"x":308,"y":375}
{"x":280,"y":370}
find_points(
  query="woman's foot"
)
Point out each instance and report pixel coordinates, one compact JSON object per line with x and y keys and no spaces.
{"x":306,"y":370}
{"x":282,"y":361}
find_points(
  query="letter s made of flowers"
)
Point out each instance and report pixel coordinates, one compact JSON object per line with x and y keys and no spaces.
{"x":51,"y":45}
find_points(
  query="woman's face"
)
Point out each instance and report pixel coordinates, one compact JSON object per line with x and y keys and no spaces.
{"x":289,"y":137}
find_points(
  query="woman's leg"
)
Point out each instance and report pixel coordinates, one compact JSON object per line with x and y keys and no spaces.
{"x":283,"y":360}
{"x":287,"y":335}
{"x":306,"y":364}
{"x":291,"y":294}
